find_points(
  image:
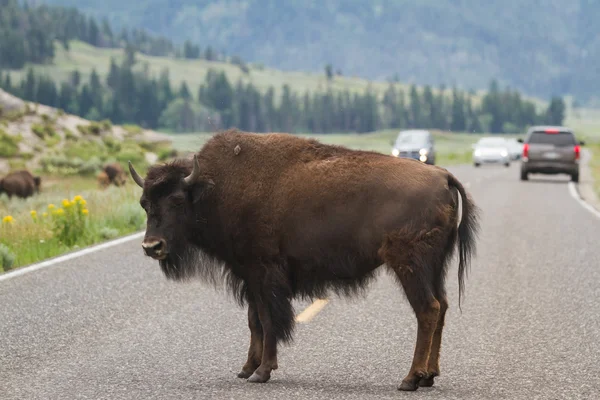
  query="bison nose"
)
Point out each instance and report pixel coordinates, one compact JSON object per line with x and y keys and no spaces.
{"x":154,"y":248}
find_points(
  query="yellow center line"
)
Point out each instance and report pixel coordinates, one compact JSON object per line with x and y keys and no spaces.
{"x":312,"y":310}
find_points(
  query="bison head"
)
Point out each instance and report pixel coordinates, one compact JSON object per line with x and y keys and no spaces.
{"x":174,"y":199}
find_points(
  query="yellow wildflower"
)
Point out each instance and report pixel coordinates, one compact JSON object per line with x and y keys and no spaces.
{"x":77,"y":198}
{"x":83,"y":202}
{"x":58,"y":211}
{"x":51,"y":206}
{"x":85,"y":211}
{"x":45,"y":214}
{"x":33,"y":213}
{"x":8,"y":219}
{"x":66,"y":203}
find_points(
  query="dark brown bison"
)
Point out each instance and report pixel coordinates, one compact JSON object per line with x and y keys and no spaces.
{"x":21,"y":184}
{"x":112,"y":173}
{"x":280,"y":217}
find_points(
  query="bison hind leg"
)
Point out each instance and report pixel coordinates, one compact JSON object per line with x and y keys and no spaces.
{"x":417,"y":259}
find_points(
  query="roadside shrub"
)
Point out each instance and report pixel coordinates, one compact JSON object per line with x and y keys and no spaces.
{"x":106,"y":125}
{"x":132,"y":129}
{"x":69,"y":135}
{"x":43,"y":131}
{"x":108,"y":233}
{"x":85,"y":149}
{"x":17,"y":163}
{"x":52,"y":141}
{"x":132,"y":215}
{"x":112,"y":144}
{"x":94,"y":128}
{"x":131,"y":151}
{"x":65,"y":165}
{"x":7,"y":258}
{"x":69,"y":221}
{"x":9,"y":145}
{"x":165,"y":154}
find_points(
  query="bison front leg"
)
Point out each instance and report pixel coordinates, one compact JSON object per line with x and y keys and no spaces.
{"x":256,"y":343}
{"x":276,"y":318}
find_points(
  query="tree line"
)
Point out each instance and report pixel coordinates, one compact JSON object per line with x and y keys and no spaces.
{"x":135,"y":96}
{"x":28,"y":34}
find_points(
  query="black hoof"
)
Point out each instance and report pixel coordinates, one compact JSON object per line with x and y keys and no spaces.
{"x":244,"y":374}
{"x":408,"y":386}
{"x":426,"y":381}
{"x":256,"y":378}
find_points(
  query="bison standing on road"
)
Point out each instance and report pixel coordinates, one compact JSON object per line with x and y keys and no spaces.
{"x":281,"y":217}
{"x":112,"y":173}
{"x":21,"y":184}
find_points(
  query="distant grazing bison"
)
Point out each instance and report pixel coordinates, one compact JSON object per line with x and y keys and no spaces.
{"x":112,"y":173}
{"x":281,"y":217}
{"x":21,"y":184}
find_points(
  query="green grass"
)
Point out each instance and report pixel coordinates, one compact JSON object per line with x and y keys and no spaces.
{"x":594,"y":148}
{"x":112,"y":212}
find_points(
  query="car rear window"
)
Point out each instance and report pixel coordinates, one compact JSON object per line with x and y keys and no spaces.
{"x":557,"y":139}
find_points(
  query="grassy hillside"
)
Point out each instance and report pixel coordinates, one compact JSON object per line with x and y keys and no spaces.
{"x":85,"y":57}
{"x":544,"y":49}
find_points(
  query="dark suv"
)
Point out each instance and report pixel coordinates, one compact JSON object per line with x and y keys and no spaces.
{"x":550,"y":150}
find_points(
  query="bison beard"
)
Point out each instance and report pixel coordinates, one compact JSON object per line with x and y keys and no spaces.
{"x":277,"y":217}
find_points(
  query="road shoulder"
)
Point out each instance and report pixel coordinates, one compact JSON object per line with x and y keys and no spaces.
{"x":586,"y":181}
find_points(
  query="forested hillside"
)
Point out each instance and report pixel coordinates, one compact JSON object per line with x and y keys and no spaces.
{"x":543,"y":48}
{"x":28,"y":35}
{"x":129,"y":89}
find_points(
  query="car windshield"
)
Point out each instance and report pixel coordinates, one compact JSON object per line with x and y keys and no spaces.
{"x":492,"y":142}
{"x":556,"y":139}
{"x":415,"y":138}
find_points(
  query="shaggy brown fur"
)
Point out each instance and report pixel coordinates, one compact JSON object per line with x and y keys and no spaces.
{"x":21,"y":184}
{"x":112,"y":173}
{"x":281,"y":217}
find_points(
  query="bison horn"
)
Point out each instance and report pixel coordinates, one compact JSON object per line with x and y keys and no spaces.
{"x":191,"y":178}
{"x":136,"y":177}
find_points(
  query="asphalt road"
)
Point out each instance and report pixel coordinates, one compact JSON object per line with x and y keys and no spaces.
{"x":109,"y":326}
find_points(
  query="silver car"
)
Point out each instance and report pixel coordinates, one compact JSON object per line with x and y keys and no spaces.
{"x":416,"y":144}
{"x":491,"y":150}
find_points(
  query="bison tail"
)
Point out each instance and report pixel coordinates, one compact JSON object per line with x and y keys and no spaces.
{"x":468,"y":230}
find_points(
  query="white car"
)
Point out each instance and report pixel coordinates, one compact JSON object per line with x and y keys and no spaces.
{"x":491,"y":150}
{"x":515,"y":149}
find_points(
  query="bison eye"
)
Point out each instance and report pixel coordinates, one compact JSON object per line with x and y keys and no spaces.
{"x":176,"y":199}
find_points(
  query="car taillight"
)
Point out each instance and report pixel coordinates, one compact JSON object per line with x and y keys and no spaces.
{"x":550,"y":130}
{"x":577,"y":151}
{"x":525,"y":150}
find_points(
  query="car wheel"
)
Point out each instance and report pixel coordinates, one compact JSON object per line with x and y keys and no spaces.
{"x":477,"y":164}
{"x":507,"y":164}
{"x":524,"y":175}
{"x":575,"y":177}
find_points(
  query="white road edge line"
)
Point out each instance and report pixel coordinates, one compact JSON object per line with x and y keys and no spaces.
{"x":575,"y":194}
{"x":69,"y":256}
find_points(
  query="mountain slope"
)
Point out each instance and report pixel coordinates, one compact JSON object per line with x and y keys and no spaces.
{"x":36,"y":136}
{"x":546,"y":48}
